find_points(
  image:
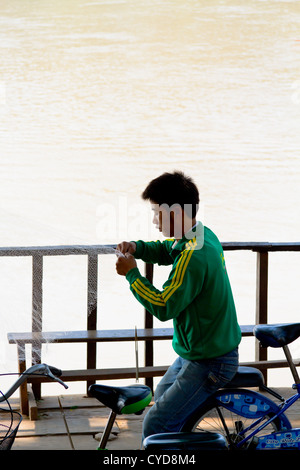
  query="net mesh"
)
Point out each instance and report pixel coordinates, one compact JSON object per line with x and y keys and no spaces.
{"x":38,"y":254}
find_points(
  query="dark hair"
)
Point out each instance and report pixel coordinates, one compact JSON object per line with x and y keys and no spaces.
{"x":173,"y":188}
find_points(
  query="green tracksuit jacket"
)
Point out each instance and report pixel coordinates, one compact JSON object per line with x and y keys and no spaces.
{"x":197,"y":294}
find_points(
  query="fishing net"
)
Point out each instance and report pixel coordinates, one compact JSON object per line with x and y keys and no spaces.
{"x":38,"y":255}
{"x":68,"y":293}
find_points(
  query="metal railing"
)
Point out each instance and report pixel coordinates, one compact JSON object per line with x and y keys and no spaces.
{"x":92,"y":252}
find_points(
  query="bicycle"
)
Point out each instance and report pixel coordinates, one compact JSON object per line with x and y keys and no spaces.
{"x":233,"y":418}
{"x":9,"y":431}
{"x":246,"y":418}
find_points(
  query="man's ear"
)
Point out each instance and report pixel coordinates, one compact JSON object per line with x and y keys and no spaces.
{"x":177,"y":210}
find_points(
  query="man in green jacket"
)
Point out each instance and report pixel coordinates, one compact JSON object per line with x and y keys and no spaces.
{"x":197,"y":296}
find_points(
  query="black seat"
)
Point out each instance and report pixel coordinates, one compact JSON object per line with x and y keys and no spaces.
{"x":277,"y":336}
{"x":246,"y":377}
{"x":186,"y":441}
{"x":123,"y":400}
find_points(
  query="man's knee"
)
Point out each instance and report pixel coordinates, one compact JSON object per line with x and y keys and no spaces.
{"x":151,"y":423}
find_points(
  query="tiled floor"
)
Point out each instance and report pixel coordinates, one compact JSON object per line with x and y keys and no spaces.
{"x":85,"y":419}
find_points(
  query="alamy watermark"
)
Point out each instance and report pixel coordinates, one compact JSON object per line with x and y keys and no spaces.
{"x":126,"y":220}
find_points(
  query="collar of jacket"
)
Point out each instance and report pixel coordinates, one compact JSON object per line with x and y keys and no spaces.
{"x":193,"y":239}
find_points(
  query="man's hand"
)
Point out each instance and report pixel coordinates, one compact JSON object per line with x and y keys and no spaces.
{"x":127,"y":247}
{"x":125,"y":264}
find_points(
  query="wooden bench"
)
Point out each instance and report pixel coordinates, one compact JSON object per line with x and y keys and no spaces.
{"x":27,"y":397}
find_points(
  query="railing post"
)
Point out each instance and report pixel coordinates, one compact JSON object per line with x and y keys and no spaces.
{"x":37,"y":313}
{"x":92,"y":310}
{"x":148,"y":323}
{"x":23,"y":387}
{"x":261,"y":354}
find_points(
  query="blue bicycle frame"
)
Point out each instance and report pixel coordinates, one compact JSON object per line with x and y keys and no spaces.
{"x":287,"y":437}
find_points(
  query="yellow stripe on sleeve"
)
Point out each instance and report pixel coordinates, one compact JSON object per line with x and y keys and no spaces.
{"x":147,"y":294}
{"x":177,"y":272}
{"x":152,"y":294}
{"x":161,"y":299}
{"x":180,"y":270}
{"x":180,"y":278}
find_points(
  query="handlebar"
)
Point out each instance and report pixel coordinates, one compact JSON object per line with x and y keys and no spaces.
{"x":38,"y":369}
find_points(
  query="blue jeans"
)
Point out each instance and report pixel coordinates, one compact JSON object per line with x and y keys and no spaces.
{"x":184,"y":387}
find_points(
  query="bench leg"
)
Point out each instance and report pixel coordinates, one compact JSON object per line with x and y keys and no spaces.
{"x":23,"y":387}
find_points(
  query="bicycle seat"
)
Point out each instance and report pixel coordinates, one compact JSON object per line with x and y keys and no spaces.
{"x":123,"y":400}
{"x":186,"y":441}
{"x":277,"y":336}
{"x":246,"y":377}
